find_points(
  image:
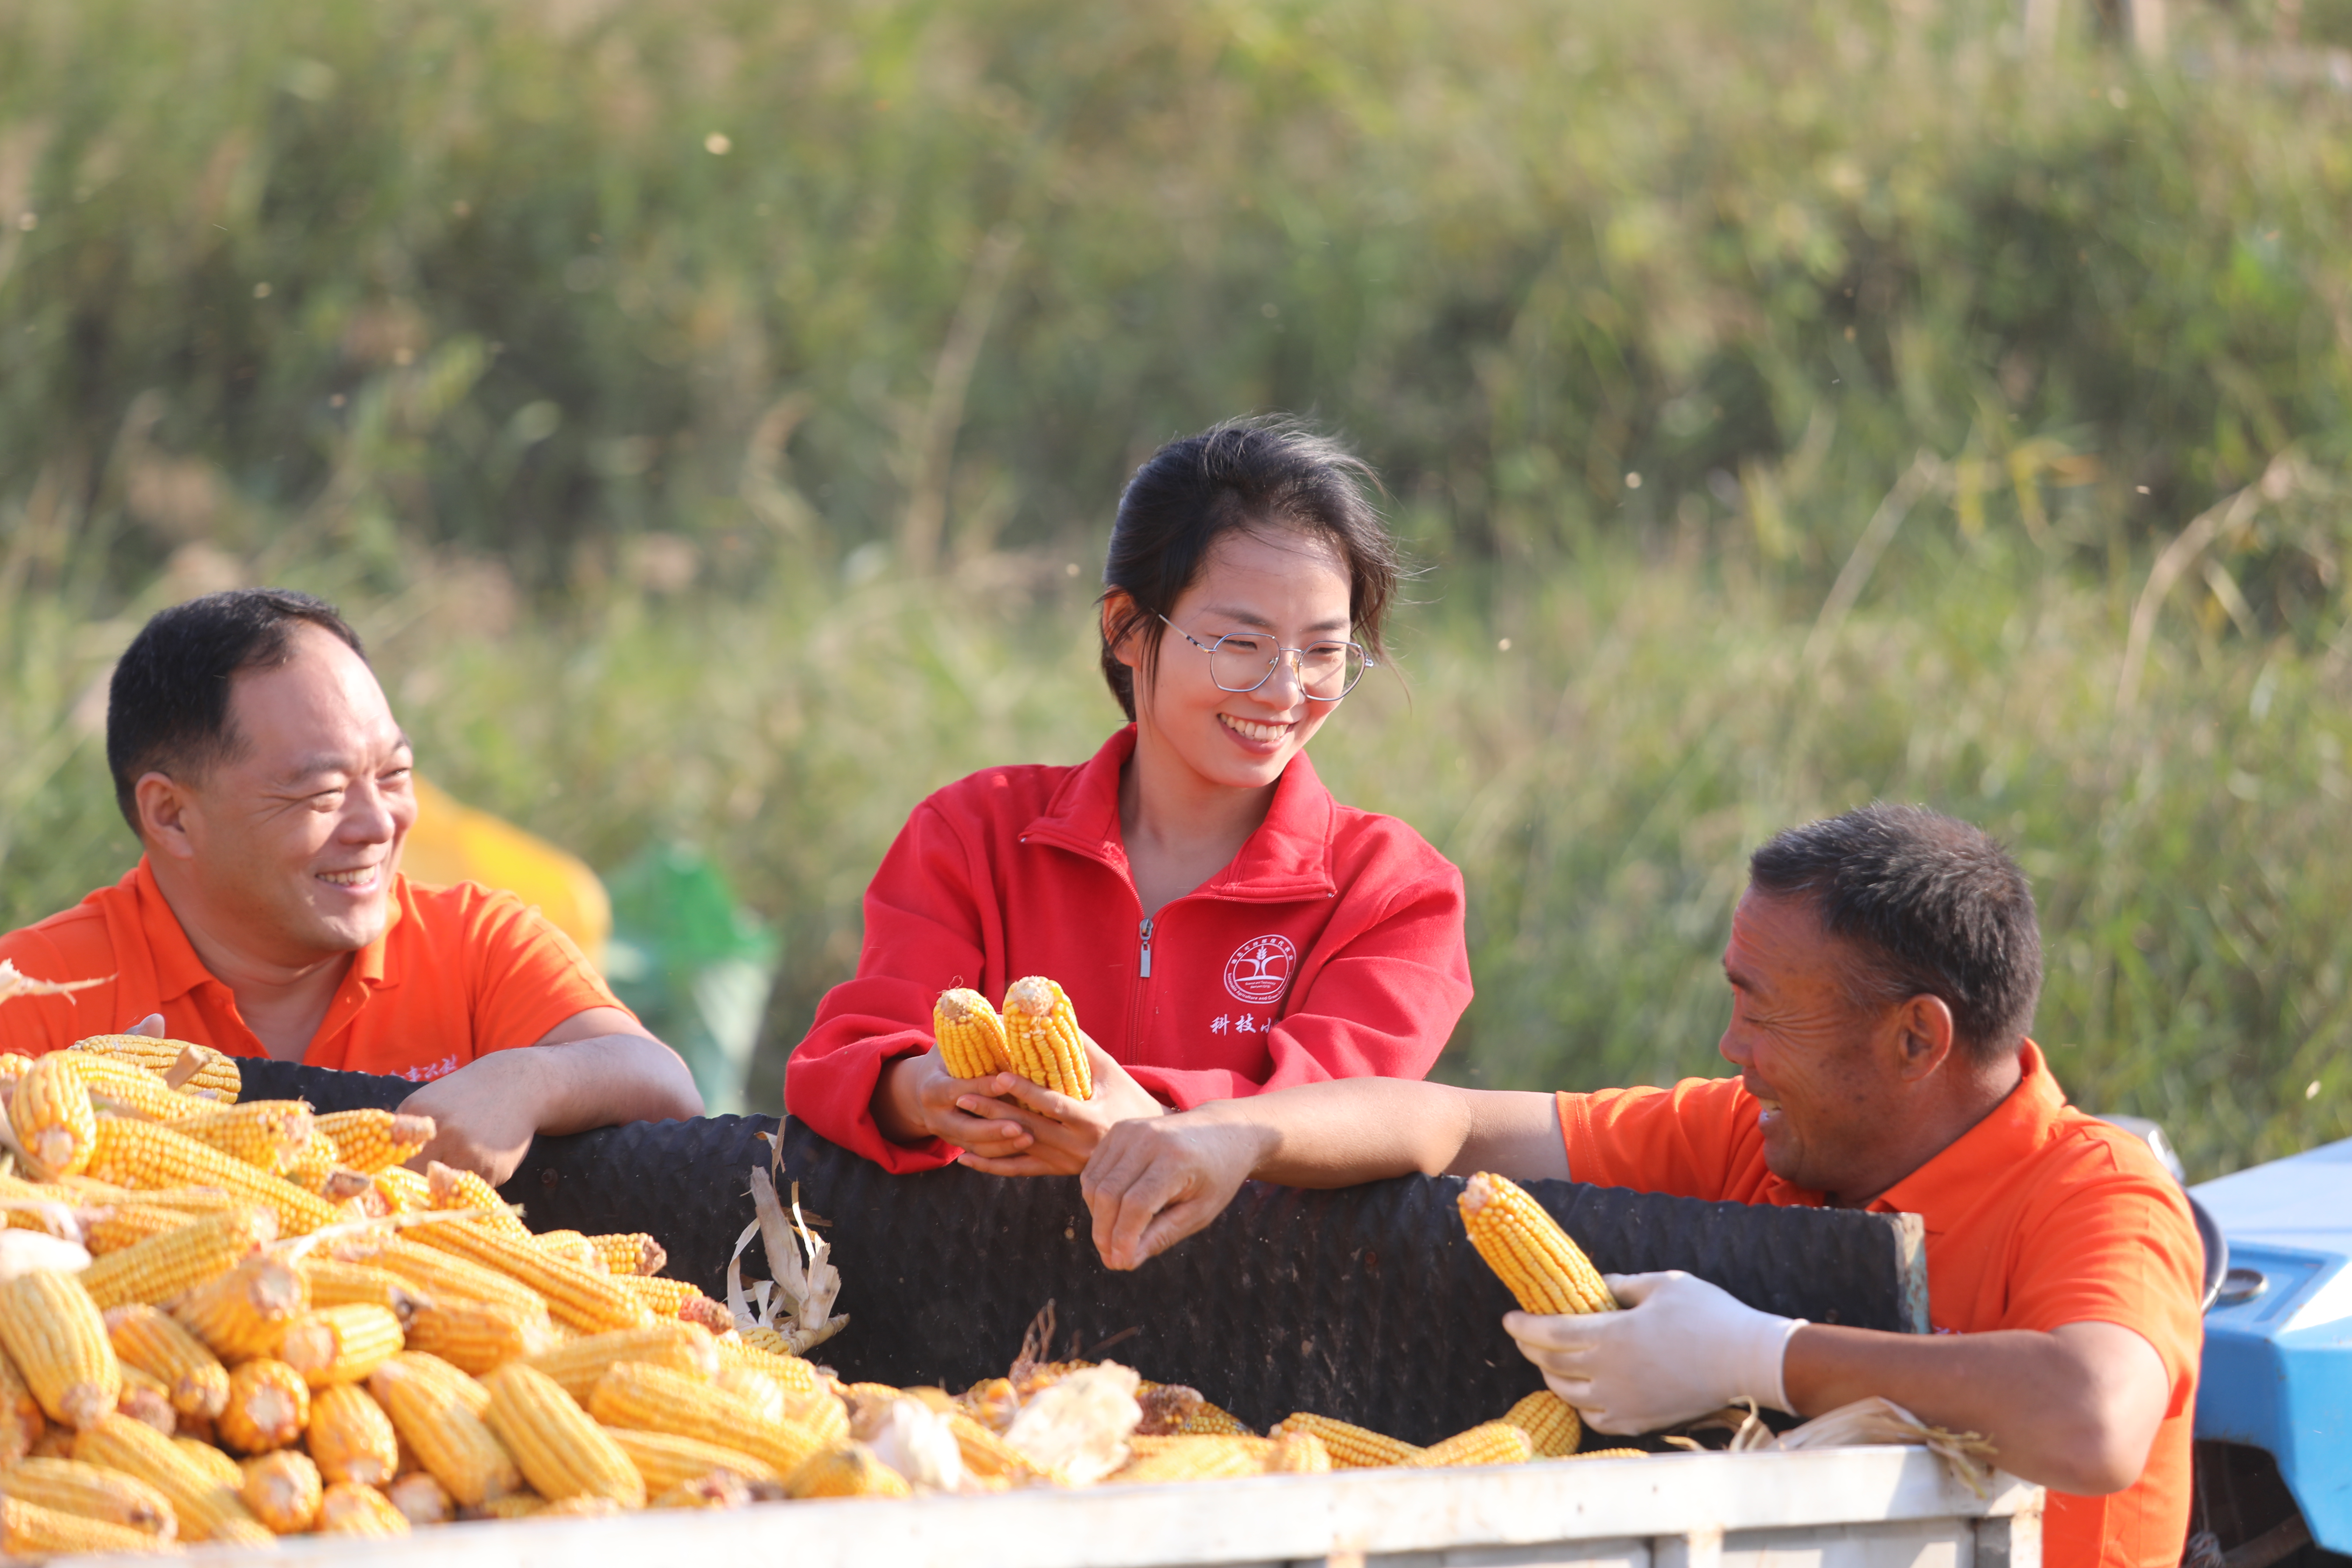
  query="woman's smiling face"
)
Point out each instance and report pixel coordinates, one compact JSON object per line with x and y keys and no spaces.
{"x":1284,"y":582}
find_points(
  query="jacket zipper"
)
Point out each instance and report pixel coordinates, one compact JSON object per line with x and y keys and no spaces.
{"x":1144,"y":972}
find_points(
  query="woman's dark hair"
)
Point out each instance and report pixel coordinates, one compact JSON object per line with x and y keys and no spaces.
{"x":1261,"y":475}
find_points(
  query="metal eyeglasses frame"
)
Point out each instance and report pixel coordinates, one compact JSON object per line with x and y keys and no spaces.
{"x":1275,"y":663}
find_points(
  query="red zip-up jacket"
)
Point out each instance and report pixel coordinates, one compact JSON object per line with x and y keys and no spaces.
{"x":1330,"y":947}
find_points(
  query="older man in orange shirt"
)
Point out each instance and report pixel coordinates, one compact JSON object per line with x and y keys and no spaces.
{"x":1883,"y":968}
{"x":256,"y":757}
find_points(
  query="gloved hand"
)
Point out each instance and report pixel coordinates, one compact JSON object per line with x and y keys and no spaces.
{"x":1681,"y":1349}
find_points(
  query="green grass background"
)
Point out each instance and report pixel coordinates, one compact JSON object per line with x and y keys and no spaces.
{"x":712,"y":412}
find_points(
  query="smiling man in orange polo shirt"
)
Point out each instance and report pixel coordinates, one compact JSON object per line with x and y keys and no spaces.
{"x":256,"y":757}
{"x":1883,"y":967}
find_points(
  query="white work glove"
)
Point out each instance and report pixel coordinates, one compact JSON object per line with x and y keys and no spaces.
{"x":1681,"y":1349}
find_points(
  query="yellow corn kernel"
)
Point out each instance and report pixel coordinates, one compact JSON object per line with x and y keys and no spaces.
{"x":351,"y":1509}
{"x":29,"y":1531}
{"x":439,"y":1426}
{"x":593,"y":1304}
{"x":218,"y":1075}
{"x":1042,"y":1039}
{"x":148,"y":1154}
{"x":207,"y":1508}
{"x":260,"y":1132}
{"x":340,"y":1344}
{"x":21,"y":1421}
{"x":51,"y":1329}
{"x":68,"y":1486}
{"x":243,"y":1312}
{"x":455,"y":1189}
{"x":446,"y":1276}
{"x":149,"y":1339}
{"x":421,"y":1500}
{"x":660,"y":1399}
{"x":662,"y":1297}
{"x":1297,"y":1454}
{"x":54,"y":1121}
{"x":848,"y":1470}
{"x":334,"y":1283}
{"x":768,"y":1342}
{"x":145,"y":1399}
{"x":1528,"y":1250}
{"x":1203,"y":1458}
{"x":210,"y":1461}
{"x":572,"y":1247}
{"x":283,"y":1490}
{"x":1488,"y":1443}
{"x":350,"y":1437}
{"x":577,"y":1366}
{"x":1351,"y":1448}
{"x":370,"y":1142}
{"x":167,"y":1266}
{"x":404,"y":1190}
{"x":631,"y":1252}
{"x":112,"y":1229}
{"x":969,"y":1033}
{"x":268,"y":1404}
{"x":561,"y":1452}
{"x":665,"y":1461}
{"x":1552,"y":1426}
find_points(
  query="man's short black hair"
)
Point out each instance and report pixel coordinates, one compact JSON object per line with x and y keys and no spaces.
{"x":1933,"y":907}
{"x":167,"y":706}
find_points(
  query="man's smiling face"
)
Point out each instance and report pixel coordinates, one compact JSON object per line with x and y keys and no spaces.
{"x":296,"y":832}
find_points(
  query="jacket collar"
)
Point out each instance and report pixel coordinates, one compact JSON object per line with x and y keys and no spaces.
{"x":1287,"y":857}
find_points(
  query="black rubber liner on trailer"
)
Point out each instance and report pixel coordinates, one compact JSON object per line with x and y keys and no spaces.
{"x":1366,"y":1303}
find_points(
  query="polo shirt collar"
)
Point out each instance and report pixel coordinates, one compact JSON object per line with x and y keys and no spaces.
{"x":1288,"y":857}
{"x":2010,"y":1133}
{"x":179,"y":971}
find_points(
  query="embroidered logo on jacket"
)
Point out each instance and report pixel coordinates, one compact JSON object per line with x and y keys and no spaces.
{"x":1259,"y":971}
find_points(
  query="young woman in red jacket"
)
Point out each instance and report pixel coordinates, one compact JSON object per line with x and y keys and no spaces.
{"x":1221,"y":925}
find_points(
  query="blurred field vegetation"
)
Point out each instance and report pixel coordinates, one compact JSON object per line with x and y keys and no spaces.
{"x":712,"y":411}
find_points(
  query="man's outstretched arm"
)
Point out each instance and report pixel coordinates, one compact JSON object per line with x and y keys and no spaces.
{"x":597,"y":1068}
{"x":1153,"y":1182}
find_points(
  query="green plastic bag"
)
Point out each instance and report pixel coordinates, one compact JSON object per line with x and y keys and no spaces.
{"x":693,"y":965}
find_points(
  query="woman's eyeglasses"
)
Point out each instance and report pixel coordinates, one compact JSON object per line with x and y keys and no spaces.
{"x":1244,"y":661}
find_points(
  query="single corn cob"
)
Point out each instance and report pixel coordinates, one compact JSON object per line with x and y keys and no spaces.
{"x":207,"y":1509}
{"x":1041,"y":1037}
{"x":168,"y":1266}
{"x":421,"y":1500}
{"x":577,"y":1366}
{"x":712,"y":1317}
{"x":561,"y":1452}
{"x":795,"y":1374}
{"x":310,"y":1164}
{"x":198,"y":1203}
{"x":1351,"y":1448}
{"x":340,"y":1344}
{"x":1528,"y":1250}
{"x":124,"y":1089}
{"x":1194,"y":1459}
{"x":29,"y":1531}
{"x":1297,"y":1454}
{"x":350,"y":1437}
{"x":665,"y":1461}
{"x":107,"y":1230}
{"x":663,"y":1298}
{"x":1552,"y":1426}
{"x":68,"y":1486}
{"x":572,"y":1247}
{"x":658,"y":1399}
{"x":1208,"y":1420}
{"x":849,"y":1470}
{"x":369,"y":1141}
{"x":465,"y":1390}
{"x":268,"y":1404}
{"x":404,"y":1190}
{"x":218,"y":1075}
{"x":52,"y":1118}
{"x":21,"y":1421}
{"x":334,"y":1283}
{"x":448,"y":1438}
{"x":631,"y":1252}
{"x":149,"y":1339}
{"x":351,"y":1509}
{"x":593,"y":1304}
{"x":455,"y":1189}
{"x":243,"y":1312}
{"x":146,"y":1154}
{"x":477,"y":1336}
{"x":989,"y":1457}
{"x":1488,"y":1443}
{"x":260,"y":1132}
{"x":719,"y":1489}
{"x":446,"y":1277}
{"x":283,"y":1490}
{"x":145,"y":1399}
{"x":767,"y":1340}
{"x":210,"y":1461}
{"x":51,"y":1329}
{"x":970,"y":1034}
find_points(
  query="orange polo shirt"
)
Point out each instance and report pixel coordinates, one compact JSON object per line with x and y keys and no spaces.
{"x":2039,"y":1216}
{"x":458,"y":972}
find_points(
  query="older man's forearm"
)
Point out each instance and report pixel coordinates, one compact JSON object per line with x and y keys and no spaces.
{"x":608,"y":1079}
